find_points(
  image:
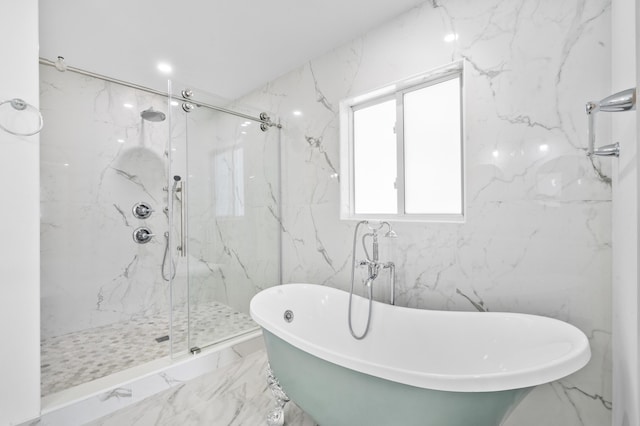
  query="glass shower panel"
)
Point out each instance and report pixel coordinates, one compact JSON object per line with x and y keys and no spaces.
{"x":104,"y":303}
{"x":232,"y":209}
{"x":176,"y":260}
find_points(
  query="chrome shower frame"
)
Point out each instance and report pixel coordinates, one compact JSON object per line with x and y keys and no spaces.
{"x":264,"y":119}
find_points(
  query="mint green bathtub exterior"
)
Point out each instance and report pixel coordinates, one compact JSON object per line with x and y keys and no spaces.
{"x":336,"y":396}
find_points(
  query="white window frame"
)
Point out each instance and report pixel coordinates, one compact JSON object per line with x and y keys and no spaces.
{"x":395,"y":90}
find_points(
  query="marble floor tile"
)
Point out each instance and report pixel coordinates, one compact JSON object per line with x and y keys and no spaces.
{"x":236,"y":395}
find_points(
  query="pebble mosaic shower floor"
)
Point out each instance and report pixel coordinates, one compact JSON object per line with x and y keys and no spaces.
{"x":86,"y":355}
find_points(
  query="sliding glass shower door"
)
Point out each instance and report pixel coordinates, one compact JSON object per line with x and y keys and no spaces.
{"x":104,"y":294}
{"x":225,"y":214}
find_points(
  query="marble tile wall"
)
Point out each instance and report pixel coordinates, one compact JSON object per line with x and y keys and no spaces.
{"x":537,"y":235}
{"x":231,"y":396}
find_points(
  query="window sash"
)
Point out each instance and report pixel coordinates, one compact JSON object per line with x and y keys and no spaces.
{"x":397,"y":91}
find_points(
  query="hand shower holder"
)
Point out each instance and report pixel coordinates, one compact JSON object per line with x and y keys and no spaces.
{"x":621,"y":101}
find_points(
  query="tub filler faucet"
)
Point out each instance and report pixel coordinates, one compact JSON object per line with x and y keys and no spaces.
{"x":373,"y":264}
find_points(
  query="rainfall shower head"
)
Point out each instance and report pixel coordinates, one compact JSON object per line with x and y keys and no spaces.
{"x":152,"y":115}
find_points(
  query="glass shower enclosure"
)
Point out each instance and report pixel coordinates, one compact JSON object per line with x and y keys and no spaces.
{"x":159,"y":223}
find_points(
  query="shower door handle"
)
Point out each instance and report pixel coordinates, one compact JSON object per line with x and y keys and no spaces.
{"x":183,"y":218}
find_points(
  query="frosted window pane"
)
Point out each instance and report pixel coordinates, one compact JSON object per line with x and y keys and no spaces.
{"x":374,"y":149}
{"x":433,"y":164}
{"x":228,"y":178}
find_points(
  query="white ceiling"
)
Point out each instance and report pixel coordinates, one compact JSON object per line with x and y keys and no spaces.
{"x":226,"y":47}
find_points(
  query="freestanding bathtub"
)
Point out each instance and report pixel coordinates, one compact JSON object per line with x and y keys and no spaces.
{"x":415,"y":367}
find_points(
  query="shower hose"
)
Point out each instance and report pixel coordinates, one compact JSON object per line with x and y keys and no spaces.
{"x":369,"y":285}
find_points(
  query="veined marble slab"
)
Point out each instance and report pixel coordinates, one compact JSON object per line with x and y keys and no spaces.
{"x":85,"y":403}
{"x":233,"y":396}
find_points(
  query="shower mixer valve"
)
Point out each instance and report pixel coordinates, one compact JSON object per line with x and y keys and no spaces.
{"x":142,"y":210}
{"x":142,"y":235}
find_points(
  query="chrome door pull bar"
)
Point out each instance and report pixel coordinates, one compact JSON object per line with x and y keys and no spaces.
{"x":180,"y":186}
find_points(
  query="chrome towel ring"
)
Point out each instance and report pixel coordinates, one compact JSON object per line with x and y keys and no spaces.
{"x":11,"y":115}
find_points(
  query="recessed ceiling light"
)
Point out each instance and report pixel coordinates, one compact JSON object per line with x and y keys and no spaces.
{"x":451,"y":37}
{"x":164,"y":68}
{"x":127,"y":105}
{"x":297,"y":113}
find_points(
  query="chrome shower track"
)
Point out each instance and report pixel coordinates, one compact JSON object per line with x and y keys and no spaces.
{"x":267,"y":121}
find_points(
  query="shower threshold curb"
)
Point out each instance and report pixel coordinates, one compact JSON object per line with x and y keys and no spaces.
{"x":90,"y":401}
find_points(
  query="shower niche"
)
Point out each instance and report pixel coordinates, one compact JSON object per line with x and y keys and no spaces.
{"x":109,"y":157}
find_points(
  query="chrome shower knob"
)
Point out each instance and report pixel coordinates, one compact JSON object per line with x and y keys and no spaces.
{"x":142,"y":210}
{"x":142,"y":235}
